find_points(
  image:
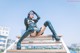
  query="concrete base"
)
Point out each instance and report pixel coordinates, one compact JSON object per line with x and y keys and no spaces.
{"x":40,"y":41}
{"x":36,"y":51}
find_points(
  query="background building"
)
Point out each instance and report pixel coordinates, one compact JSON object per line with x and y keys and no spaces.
{"x":75,"y":47}
{"x":4,"y":33}
{"x":9,"y":42}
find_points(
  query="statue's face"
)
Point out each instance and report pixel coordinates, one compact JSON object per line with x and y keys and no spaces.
{"x":31,"y":15}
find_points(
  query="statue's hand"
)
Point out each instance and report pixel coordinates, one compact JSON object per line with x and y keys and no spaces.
{"x":33,"y":11}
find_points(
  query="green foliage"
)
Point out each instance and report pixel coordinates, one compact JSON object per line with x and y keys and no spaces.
{"x":0,"y":52}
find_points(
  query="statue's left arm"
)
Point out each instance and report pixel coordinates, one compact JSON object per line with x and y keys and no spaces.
{"x":36,"y":20}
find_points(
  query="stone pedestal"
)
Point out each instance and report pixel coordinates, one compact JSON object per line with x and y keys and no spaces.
{"x":40,"y":44}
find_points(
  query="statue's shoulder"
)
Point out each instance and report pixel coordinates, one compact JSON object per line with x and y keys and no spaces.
{"x":25,"y":19}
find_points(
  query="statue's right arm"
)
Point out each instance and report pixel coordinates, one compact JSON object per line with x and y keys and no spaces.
{"x":26,"y":24}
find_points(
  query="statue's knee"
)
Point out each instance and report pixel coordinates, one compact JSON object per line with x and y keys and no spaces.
{"x":47,"y":23}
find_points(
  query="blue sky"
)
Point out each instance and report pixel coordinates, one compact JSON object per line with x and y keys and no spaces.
{"x":64,"y":16}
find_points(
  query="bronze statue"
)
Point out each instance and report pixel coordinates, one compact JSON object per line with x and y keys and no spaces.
{"x":33,"y":30}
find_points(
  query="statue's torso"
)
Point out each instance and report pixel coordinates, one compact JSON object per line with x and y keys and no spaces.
{"x":32,"y":25}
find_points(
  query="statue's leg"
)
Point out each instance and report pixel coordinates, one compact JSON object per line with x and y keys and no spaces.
{"x":48,"y":23}
{"x":20,"y":40}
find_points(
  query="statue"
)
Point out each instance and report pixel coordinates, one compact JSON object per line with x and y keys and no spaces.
{"x":33,"y":30}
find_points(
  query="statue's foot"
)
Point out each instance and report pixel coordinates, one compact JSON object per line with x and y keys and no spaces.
{"x":57,"y":38}
{"x":18,"y":46}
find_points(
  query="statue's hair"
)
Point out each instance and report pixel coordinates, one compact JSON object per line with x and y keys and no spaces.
{"x":29,"y":14}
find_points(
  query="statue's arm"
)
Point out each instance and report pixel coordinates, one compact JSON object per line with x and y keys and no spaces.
{"x":26,"y":24}
{"x":38,"y":17}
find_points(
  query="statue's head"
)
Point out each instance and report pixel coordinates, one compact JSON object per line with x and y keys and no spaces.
{"x":31,"y":14}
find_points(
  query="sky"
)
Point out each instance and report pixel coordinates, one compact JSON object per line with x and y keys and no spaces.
{"x":63,"y":14}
